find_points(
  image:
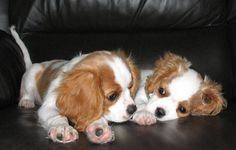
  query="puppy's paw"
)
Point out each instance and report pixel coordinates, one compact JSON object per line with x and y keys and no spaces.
{"x":63,"y":134}
{"x":99,"y":133}
{"x":144,"y":118}
{"x":26,"y":103}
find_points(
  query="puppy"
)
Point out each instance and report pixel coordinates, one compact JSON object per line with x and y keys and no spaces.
{"x":88,"y":90}
{"x":173,"y":90}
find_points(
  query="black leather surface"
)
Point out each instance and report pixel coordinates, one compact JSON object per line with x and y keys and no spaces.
{"x":231,"y":10}
{"x":206,"y":48}
{"x":20,"y":130}
{"x":11,"y":70}
{"x":232,"y":39}
{"x":87,"y":15}
{"x":4,"y":19}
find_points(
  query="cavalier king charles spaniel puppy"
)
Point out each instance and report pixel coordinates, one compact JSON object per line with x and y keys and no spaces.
{"x":173,"y":90}
{"x":88,"y":91}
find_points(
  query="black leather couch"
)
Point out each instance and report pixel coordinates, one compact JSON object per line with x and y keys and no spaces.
{"x":204,"y":31}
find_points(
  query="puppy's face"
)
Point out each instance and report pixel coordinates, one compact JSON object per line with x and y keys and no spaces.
{"x":177,"y":91}
{"x":101,"y":85}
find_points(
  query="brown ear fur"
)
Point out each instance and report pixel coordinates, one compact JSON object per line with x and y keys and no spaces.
{"x":211,"y":99}
{"x":80,"y":97}
{"x":135,"y":76}
{"x":166,"y":68}
{"x":133,"y":69}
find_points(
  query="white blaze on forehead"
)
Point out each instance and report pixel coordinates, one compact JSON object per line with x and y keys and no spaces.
{"x":121,"y":72}
{"x":183,"y":87}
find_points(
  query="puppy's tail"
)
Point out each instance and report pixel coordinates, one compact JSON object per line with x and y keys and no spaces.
{"x":22,"y":46}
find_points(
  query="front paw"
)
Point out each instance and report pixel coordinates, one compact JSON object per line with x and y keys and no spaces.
{"x":99,"y":133}
{"x":26,"y":103}
{"x":63,"y":134}
{"x":144,"y":118}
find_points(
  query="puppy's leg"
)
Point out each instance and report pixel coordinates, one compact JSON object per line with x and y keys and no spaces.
{"x":100,"y":132}
{"x":57,"y":125}
{"x":28,"y":91}
{"x":142,"y":116}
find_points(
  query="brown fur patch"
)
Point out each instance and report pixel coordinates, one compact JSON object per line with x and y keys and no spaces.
{"x":44,"y":77}
{"x":166,"y":68}
{"x":208,"y":100}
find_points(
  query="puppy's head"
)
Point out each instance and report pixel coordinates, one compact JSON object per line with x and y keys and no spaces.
{"x":100,"y":85}
{"x":176,"y":91}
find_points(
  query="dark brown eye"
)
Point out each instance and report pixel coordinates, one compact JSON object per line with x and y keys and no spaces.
{"x":161,"y":91}
{"x":113,"y":96}
{"x":182,"y":109}
{"x":130,"y":85}
{"x":207,"y":99}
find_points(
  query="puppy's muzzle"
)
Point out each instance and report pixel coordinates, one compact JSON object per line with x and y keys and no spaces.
{"x":160,"y":112}
{"x":131,"y":109}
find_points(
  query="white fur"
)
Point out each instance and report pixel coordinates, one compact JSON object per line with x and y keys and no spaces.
{"x":117,"y":112}
{"x":141,"y":99}
{"x":183,"y":87}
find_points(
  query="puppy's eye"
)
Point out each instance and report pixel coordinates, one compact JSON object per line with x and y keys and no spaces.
{"x":207,"y":99}
{"x":130,"y":85}
{"x":162,"y":91}
{"x":113,"y":96}
{"x":182,"y":109}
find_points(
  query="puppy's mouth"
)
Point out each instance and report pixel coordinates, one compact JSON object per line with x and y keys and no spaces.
{"x":128,"y":117}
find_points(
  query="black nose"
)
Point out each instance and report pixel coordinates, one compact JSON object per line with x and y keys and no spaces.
{"x":160,"y":112}
{"x":131,"y":109}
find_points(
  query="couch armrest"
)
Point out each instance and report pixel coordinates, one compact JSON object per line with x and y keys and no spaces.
{"x":12,"y":68}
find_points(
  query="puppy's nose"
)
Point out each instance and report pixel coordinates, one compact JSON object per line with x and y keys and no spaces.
{"x":160,"y":112}
{"x":131,"y":109}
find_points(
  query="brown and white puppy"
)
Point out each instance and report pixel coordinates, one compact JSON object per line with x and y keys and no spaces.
{"x":173,"y":90}
{"x":88,"y":90}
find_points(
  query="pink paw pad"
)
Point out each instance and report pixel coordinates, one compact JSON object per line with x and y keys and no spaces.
{"x":144,"y":118}
{"x":100,"y":134}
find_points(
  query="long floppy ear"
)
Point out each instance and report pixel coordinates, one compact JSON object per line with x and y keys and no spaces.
{"x":80,"y":97}
{"x":166,"y":68}
{"x":135,"y":76}
{"x":133,"y":69}
{"x":211,"y":99}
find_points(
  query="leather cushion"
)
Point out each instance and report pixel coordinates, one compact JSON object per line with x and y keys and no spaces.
{"x":128,"y":15}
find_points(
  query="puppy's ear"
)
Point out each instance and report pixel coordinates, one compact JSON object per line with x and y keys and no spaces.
{"x":133,"y":70}
{"x":135,"y":76}
{"x":211,"y":99}
{"x":80,"y":97}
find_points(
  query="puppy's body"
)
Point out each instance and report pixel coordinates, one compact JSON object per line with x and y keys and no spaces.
{"x":173,"y":90}
{"x":88,"y":90}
